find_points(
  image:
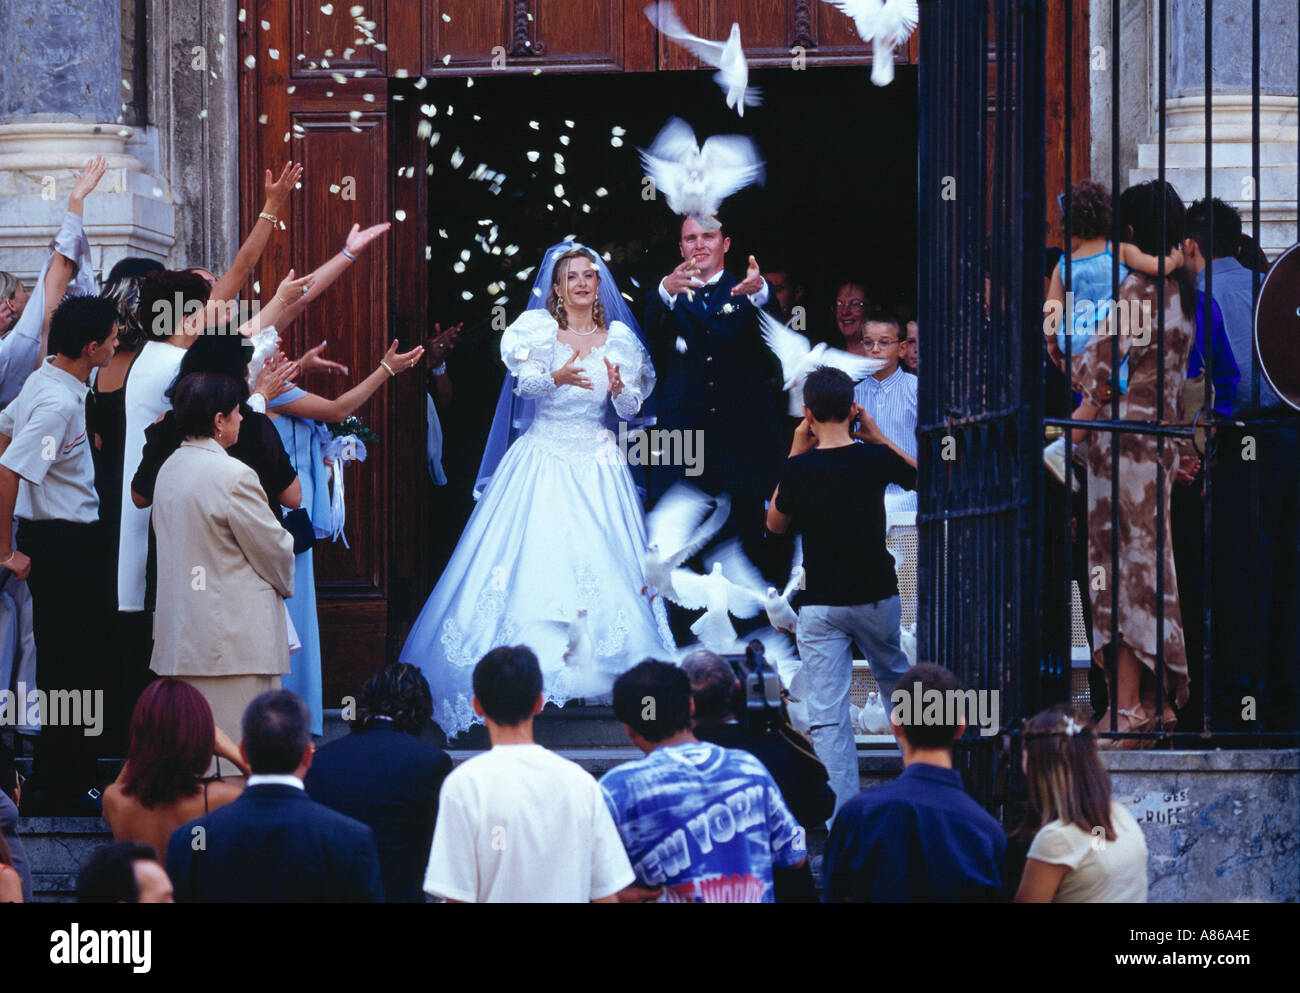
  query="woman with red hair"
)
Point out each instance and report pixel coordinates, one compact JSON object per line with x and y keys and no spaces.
{"x":161,"y":785}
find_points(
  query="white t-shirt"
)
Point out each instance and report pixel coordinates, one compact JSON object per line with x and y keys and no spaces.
{"x":1100,"y":871}
{"x":520,"y":824}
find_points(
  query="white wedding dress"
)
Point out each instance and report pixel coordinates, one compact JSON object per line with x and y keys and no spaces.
{"x":558,"y":530}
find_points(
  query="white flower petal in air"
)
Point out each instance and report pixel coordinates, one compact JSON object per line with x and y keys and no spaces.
{"x":469,"y":82}
{"x":262,"y":119}
{"x":421,"y":83}
{"x":617,"y":131}
{"x":338,"y":77}
{"x":559,"y":189}
{"x":464,"y":254}
{"x":601,"y":191}
{"x":534,"y":125}
{"x":681,"y":345}
{"x":250,"y":61}
{"x":242,"y":14}
{"x":423,"y":130}
{"x":356,"y":11}
{"x":467,"y":295}
{"x":327,"y":10}
{"x":456,"y":159}
{"x":400,"y":215}
{"x":616,"y":142}
{"x":511,"y":249}
{"x":273,"y":52}
{"x":442,"y":232}
{"x":534,"y":156}
{"x":257,"y":286}
{"x":586,"y":208}
{"x":435,"y":138}
{"x":493,"y":289}
{"x":459,"y":267}
{"x":447,"y":18}
{"x":428,"y":252}
{"x":564,"y":139}
{"x":203,"y":113}
{"x":568,"y":124}
{"x":266,"y":25}
{"x":446,"y":59}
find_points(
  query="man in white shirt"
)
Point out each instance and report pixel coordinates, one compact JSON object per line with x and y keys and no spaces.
{"x":889,"y":397}
{"x":519,"y":824}
{"x":47,"y":480}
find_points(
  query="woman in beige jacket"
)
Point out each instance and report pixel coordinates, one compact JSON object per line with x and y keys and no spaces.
{"x":225,"y":564}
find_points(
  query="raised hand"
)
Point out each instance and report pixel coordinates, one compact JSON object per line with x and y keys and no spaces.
{"x":312,"y":360}
{"x":278,"y":190}
{"x":401,"y":361}
{"x":88,"y":179}
{"x":615,"y":380}
{"x":752,"y":283}
{"x":290,"y":289}
{"x":442,"y":342}
{"x":276,"y":377}
{"x":683,"y":279}
{"x":357,"y":239}
{"x":570,"y":375}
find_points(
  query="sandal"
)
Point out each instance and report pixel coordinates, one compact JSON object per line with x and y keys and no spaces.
{"x":1138,"y":721}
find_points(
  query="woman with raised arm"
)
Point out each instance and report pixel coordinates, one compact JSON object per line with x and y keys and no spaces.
{"x":552,"y":555}
{"x":69,"y":269}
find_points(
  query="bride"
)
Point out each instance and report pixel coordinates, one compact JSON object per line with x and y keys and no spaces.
{"x":552,"y":555}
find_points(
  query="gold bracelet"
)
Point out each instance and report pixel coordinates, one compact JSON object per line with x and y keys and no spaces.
{"x":264,"y":216}
{"x":388,"y":367}
{"x":283,"y":301}
{"x":9,"y":559}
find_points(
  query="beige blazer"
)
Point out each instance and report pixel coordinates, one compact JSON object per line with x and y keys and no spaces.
{"x":225,"y":565}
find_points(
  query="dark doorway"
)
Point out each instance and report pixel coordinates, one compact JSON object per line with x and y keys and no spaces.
{"x":839,"y":202}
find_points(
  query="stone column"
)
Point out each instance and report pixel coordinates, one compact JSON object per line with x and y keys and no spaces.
{"x":1230,"y":107}
{"x":60,"y":104}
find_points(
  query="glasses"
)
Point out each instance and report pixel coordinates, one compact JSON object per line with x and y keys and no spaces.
{"x":850,"y":304}
{"x":871,"y":346}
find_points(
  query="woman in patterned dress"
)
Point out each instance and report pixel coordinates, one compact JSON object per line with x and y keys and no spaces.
{"x":1141,"y":487}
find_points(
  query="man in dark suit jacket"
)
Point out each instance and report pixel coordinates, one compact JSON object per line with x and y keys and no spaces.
{"x":274,"y":844}
{"x":716,"y":376}
{"x":385,"y":776}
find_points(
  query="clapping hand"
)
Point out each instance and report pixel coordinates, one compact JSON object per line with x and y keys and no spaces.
{"x":398,"y":362}
{"x":290,"y":289}
{"x":615,"y":380}
{"x":276,"y":377}
{"x":752,"y":283}
{"x":357,"y":239}
{"x":682,"y":279}
{"x":313,"y":360}
{"x":278,"y":190}
{"x":88,"y":179}
{"x":442,"y":342}
{"x":570,"y":375}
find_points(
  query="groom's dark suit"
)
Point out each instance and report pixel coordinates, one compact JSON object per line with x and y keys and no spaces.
{"x":726,"y":383}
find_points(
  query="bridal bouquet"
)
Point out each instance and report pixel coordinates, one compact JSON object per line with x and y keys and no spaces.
{"x":343,"y":442}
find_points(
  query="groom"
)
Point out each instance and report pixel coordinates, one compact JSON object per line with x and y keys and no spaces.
{"x":717,"y":377}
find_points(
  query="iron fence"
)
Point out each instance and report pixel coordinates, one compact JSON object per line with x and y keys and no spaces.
{"x":998,"y":566}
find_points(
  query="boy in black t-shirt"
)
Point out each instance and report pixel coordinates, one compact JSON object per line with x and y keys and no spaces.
{"x":833,"y":490}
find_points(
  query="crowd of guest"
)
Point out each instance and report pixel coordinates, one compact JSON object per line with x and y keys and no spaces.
{"x":381,"y":815}
{"x":1198,"y":359}
{"x":158,"y":457}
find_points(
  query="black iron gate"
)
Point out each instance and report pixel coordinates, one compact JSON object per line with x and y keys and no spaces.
{"x":978,"y":421}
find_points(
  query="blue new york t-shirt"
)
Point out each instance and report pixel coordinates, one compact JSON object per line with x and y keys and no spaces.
{"x":706,"y":823}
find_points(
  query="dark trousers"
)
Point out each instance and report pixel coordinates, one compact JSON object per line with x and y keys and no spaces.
{"x":70,"y":625}
{"x":1256,"y":582}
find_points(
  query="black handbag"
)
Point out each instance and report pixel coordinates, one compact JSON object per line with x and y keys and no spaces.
{"x":298,"y":523}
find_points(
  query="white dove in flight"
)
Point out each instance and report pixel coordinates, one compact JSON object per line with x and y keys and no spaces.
{"x":677,"y":528}
{"x":799,"y":357}
{"x":727,"y":57}
{"x":743,"y":573}
{"x":695,"y":179}
{"x":717,"y":596}
{"x":887,"y":24}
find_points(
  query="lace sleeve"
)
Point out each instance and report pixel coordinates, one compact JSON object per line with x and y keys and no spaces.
{"x":527,"y":348}
{"x":634,"y":368}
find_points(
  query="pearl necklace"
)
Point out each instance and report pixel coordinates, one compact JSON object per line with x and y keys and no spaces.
{"x":582,"y":334}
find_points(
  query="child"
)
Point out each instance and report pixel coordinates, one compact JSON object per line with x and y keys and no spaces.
{"x":1091,"y":264}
